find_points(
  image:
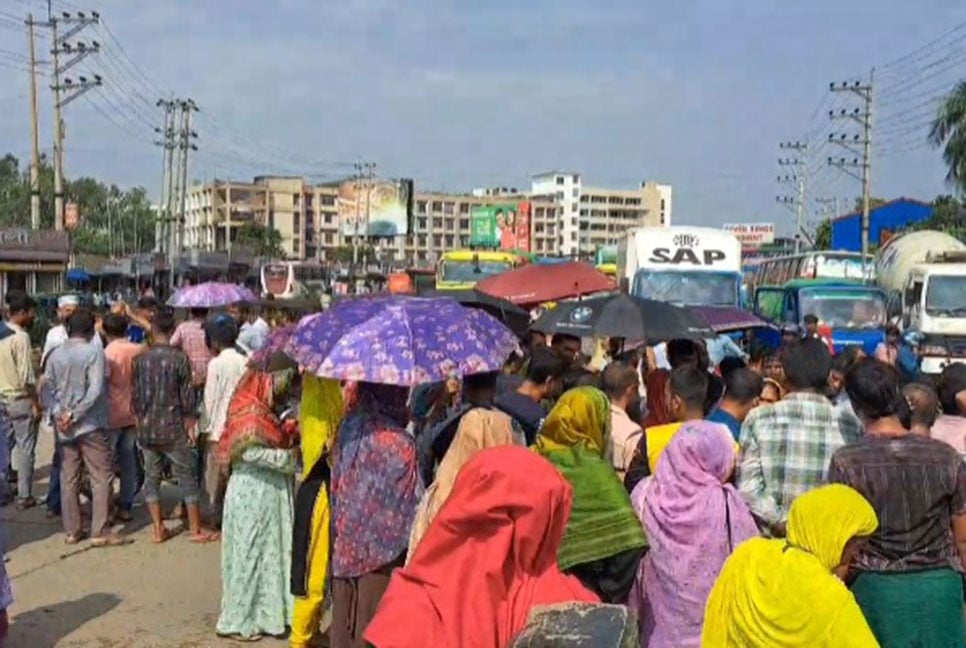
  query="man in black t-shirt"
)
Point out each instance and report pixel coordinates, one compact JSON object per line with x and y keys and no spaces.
{"x":544,"y":381}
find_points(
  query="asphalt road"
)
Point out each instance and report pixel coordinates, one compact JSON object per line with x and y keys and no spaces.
{"x":142,"y":595}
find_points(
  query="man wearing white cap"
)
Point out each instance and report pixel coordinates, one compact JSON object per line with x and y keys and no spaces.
{"x":66,"y":305}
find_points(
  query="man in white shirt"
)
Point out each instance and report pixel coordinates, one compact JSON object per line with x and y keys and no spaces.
{"x":253,"y":332}
{"x":224,"y":372}
{"x":66,"y":306}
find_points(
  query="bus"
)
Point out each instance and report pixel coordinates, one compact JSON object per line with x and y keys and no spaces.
{"x":842,"y":266}
{"x":605,"y":260}
{"x":285,"y":279}
{"x":462,"y":269}
{"x":689,"y":266}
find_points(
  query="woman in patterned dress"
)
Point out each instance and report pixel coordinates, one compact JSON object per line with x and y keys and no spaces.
{"x":256,"y":550}
{"x":375,"y":491}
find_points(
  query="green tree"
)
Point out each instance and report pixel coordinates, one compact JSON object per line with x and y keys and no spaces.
{"x":263,"y":241}
{"x":823,"y":235}
{"x":873,"y":203}
{"x":949,"y":132}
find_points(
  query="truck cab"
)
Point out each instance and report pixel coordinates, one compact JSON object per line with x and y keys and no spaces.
{"x":934,"y":305}
{"x":848,"y":314}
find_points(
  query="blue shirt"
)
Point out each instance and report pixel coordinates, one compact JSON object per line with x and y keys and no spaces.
{"x":74,"y":381}
{"x":722,"y":417}
{"x":135,"y":333}
{"x":722,"y":347}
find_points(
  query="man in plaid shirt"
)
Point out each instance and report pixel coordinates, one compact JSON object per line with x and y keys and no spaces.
{"x":786,"y":447}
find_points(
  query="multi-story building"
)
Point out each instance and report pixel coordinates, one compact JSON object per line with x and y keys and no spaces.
{"x":566,"y":218}
{"x":592,"y":216}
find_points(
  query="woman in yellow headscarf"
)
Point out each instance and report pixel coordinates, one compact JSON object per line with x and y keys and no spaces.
{"x":604,"y":539}
{"x":788,"y":593}
{"x":320,"y":412}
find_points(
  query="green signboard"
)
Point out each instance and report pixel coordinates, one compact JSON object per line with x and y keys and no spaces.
{"x":483,"y":226}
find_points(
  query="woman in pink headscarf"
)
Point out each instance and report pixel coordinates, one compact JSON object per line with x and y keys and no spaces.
{"x":694,"y":518}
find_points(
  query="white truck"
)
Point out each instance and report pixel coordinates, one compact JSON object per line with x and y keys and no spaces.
{"x":926,"y":273}
{"x":693,"y":266}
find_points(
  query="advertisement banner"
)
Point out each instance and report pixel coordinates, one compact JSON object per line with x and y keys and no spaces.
{"x":752,"y":235}
{"x":381,"y":208}
{"x":504,"y":226}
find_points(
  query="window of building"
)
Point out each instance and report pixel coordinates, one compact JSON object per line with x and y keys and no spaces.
{"x":437,"y":223}
{"x":327,"y":200}
{"x":464,"y":223}
{"x":327,"y":218}
{"x":538,"y":228}
{"x":538,"y":212}
{"x":573,"y":207}
{"x":615,"y":200}
{"x":437,"y":241}
{"x":437,"y":205}
{"x":448,"y":207}
{"x":464,"y":208}
{"x":560,"y":180}
{"x":449,"y":241}
{"x":296,"y":222}
{"x":420,"y":206}
{"x":448,"y":225}
{"x":662,"y":204}
{"x":584,"y":198}
{"x":421,"y":223}
{"x":576,"y":178}
{"x":328,"y":238}
{"x":559,"y":195}
{"x":422,"y":241}
{"x":633,"y":201}
{"x":598,"y":199}
{"x":575,"y":192}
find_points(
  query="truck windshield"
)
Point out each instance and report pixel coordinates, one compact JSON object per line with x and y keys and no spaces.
{"x":845,"y":309}
{"x":691,"y":288}
{"x":946,"y":296}
{"x":469,"y":271}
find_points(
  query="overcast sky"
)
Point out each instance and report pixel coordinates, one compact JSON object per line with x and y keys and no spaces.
{"x":457,"y":94}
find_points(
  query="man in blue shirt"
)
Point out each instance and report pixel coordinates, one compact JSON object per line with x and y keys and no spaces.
{"x":742,"y":390}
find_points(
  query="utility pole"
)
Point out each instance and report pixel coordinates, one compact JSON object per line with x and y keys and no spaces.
{"x":185,"y":144}
{"x":860,"y":145}
{"x":34,"y":132}
{"x":67,"y":91}
{"x":797,"y":177}
{"x":363,"y":170}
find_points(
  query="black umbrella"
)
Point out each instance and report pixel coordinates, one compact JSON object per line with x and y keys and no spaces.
{"x":515,"y":318}
{"x":623,"y":316}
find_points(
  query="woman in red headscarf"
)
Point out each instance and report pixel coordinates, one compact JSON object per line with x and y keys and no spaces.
{"x":489,"y":558}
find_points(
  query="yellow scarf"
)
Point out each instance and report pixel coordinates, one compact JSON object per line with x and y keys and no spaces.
{"x":778,"y":593}
{"x":320,"y":411}
{"x":580,"y":418}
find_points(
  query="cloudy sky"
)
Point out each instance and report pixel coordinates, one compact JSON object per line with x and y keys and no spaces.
{"x":458,"y":94}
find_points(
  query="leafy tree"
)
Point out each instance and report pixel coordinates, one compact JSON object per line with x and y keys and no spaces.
{"x":823,"y":235}
{"x":948,"y":215}
{"x":263,"y":241}
{"x":873,"y":203}
{"x":949,"y":132}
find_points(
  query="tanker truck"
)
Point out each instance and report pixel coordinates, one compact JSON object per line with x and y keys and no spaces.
{"x":926,"y":272}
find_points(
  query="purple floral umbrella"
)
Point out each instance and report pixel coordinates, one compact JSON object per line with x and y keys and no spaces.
{"x":211,"y":294}
{"x":400,"y":341}
{"x":276,"y":341}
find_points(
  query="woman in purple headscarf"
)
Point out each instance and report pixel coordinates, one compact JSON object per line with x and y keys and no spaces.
{"x":375,"y":492}
{"x":694,"y":518}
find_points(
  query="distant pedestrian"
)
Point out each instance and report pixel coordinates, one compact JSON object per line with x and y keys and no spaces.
{"x":190,"y":338}
{"x":621,"y":383}
{"x":888,"y":351}
{"x":77,"y":393}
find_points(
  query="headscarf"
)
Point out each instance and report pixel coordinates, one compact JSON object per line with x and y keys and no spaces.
{"x":251,"y":420}
{"x":375,"y":482}
{"x":658,"y":407}
{"x":574,"y":439}
{"x":320,"y":411}
{"x":479,"y":429}
{"x":777,"y":593}
{"x":486,"y":561}
{"x":693,"y":519}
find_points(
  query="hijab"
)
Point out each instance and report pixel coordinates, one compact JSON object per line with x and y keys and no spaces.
{"x":375,"y":482}
{"x":480,"y":428}
{"x":693,"y":519}
{"x":486,"y":561}
{"x":574,"y":439}
{"x":776,"y":593}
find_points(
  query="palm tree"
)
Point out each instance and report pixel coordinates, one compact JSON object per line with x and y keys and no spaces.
{"x":949,"y":131}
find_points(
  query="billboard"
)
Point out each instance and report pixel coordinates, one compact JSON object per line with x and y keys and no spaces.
{"x":752,"y":235}
{"x":381,"y":208}
{"x":504,"y":226}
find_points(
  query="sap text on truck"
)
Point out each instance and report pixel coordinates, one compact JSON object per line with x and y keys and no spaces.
{"x":693,"y":266}
{"x":926,"y":272}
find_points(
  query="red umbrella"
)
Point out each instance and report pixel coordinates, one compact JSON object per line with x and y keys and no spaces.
{"x":535,"y":284}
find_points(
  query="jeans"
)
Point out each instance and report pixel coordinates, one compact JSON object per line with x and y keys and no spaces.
{"x":53,"y":488}
{"x":22,"y":441}
{"x":182,"y":464}
{"x":125,"y":446}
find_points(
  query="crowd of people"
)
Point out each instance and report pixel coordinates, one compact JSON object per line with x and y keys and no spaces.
{"x":754,"y":499}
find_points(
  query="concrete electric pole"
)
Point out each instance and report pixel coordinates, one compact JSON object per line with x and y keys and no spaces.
{"x":34,"y":131}
{"x":860,"y":145}
{"x":167,"y":133}
{"x":66,"y":90}
{"x":796,"y":177}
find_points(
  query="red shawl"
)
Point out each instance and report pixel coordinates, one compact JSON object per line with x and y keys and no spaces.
{"x":251,"y":421}
{"x":488,"y":558}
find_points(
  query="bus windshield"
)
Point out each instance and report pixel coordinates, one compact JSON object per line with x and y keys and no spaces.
{"x":691,"y":288}
{"x":470,"y":271}
{"x":845,"y":309}
{"x":946,"y":296}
